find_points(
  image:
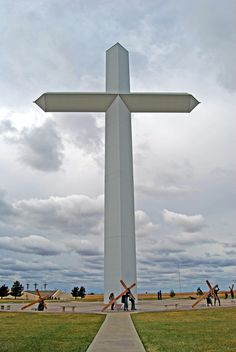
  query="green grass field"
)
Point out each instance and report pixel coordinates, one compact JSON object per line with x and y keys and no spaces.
{"x":37,"y":332}
{"x":188,"y":331}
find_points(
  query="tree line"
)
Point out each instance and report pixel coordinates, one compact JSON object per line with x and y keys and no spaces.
{"x":17,"y":290}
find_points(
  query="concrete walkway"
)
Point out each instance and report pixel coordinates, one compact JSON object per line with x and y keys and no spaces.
{"x":117,"y":333}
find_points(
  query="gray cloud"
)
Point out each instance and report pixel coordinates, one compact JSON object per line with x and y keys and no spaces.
{"x":207,"y":261}
{"x":165,"y":271}
{"x":157,"y":247}
{"x":216,"y":39}
{"x":169,"y":178}
{"x":163,"y":191}
{"x":191,"y":238}
{"x":41,"y":245}
{"x":83,"y":130}
{"x":6,"y":209}
{"x":229,"y":245}
{"x":185,"y":261}
{"x":77,"y":214}
{"x":223,"y":173}
{"x":16,"y":265}
{"x":7,"y":126}
{"x":45,"y":51}
{"x":197,"y":38}
{"x":41,"y":147}
{"x":31,"y":244}
{"x":86,"y":247}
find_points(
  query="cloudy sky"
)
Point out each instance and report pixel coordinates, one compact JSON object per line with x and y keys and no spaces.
{"x":52,"y":165}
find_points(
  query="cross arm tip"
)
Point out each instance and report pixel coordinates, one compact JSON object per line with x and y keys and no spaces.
{"x":41,"y":102}
{"x":193,"y":103}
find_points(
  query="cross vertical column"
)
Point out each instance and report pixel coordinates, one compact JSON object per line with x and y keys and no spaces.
{"x":119,"y":241}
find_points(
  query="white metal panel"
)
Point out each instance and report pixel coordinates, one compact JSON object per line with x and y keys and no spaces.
{"x":119,"y":232}
{"x":117,"y":69}
{"x":75,"y":102}
{"x":119,"y":240}
{"x":159,"y":102}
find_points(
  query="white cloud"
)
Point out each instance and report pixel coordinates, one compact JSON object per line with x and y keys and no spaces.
{"x":189,"y":223}
{"x":78,"y":214}
{"x":144,"y":225}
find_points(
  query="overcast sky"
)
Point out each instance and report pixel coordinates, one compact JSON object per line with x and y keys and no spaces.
{"x":52,"y":165}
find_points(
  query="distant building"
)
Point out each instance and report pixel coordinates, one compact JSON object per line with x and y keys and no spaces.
{"x":53,"y":295}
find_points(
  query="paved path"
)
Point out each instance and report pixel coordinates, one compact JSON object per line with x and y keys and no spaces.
{"x":117,"y":333}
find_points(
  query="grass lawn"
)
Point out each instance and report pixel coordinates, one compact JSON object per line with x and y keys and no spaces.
{"x":42,"y":332}
{"x":188,"y":331}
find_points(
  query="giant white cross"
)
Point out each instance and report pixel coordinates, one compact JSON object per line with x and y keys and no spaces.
{"x":118,"y":103}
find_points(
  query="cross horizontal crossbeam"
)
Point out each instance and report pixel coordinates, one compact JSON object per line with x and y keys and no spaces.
{"x":100,"y":102}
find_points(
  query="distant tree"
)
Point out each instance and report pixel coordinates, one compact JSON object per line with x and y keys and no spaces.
{"x":17,"y":289}
{"x":82,"y":291}
{"x":199,"y":291}
{"x":75,"y":292}
{"x":4,"y":291}
{"x":172,"y":293}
